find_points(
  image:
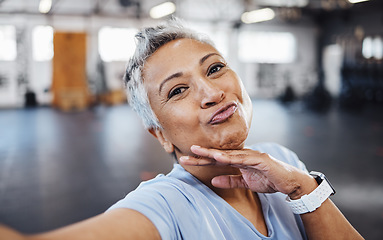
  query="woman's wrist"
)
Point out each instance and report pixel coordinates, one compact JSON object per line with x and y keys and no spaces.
{"x":306,"y":184}
{"x":8,"y":233}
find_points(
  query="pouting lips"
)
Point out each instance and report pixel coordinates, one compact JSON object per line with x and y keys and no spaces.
{"x":223,"y":113}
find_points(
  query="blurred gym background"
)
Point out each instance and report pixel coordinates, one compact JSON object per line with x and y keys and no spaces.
{"x":71,"y":146}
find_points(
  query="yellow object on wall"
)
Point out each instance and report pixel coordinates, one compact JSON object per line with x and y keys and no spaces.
{"x":69,"y":86}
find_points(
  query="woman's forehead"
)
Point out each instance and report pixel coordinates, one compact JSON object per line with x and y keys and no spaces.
{"x":175,"y":55}
{"x":182,"y":46}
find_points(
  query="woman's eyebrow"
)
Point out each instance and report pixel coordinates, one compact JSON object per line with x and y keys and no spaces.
{"x":175,"y":75}
{"x":206,"y":57}
{"x":179,"y":74}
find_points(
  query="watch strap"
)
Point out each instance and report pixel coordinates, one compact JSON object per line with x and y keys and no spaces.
{"x":310,"y":202}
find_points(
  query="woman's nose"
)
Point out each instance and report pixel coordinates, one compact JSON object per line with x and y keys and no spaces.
{"x":211,"y":94}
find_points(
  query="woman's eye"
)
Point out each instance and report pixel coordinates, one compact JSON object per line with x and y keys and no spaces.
{"x":215,"y":68}
{"x":176,"y":91}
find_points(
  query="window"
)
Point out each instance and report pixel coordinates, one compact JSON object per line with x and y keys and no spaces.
{"x":267,"y":47}
{"x":372,"y":47}
{"x":42,"y":43}
{"x":7,"y":43}
{"x":116,"y":44}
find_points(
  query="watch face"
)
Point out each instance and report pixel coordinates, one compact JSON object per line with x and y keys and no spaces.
{"x":333,"y":190}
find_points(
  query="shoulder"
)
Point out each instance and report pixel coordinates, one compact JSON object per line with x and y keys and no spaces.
{"x":160,"y":191}
{"x":279,"y":152}
{"x":161,"y":200}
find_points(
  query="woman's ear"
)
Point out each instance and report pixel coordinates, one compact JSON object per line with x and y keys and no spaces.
{"x":166,"y":144}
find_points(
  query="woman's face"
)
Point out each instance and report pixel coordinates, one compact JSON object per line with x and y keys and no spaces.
{"x":197,"y":98}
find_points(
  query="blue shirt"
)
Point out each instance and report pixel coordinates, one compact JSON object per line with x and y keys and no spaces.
{"x":181,"y":207}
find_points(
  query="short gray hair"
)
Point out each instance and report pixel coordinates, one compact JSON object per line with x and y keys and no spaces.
{"x":148,"y":41}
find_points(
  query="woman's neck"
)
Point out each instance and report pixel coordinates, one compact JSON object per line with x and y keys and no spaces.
{"x":243,"y":200}
{"x":206,"y":173}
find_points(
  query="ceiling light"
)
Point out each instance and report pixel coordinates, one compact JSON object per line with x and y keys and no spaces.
{"x":283,"y":3}
{"x":259,"y":15}
{"x":45,"y":6}
{"x":357,"y":1}
{"x":162,"y":10}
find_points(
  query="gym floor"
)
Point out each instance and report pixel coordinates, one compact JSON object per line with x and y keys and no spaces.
{"x":59,"y":168}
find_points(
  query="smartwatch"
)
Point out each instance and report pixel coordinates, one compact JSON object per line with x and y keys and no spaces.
{"x":310,"y":202}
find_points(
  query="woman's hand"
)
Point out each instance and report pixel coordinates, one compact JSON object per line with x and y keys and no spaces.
{"x":260,"y":171}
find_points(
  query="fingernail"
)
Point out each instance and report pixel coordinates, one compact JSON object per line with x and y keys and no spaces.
{"x":195,"y":146}
{"x":184,"y":158}
{"x":218,"y":154}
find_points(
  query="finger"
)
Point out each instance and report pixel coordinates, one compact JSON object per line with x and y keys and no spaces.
{"x":236,"y":158}
{"x":205,"y":152}
{"x":224,"y":157}
{"x":193,"y":161}
{"x":229,"y":181}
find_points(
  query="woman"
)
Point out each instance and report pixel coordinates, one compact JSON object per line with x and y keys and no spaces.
{"x":198,"y":109}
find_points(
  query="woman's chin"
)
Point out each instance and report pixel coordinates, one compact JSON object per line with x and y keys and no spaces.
{"x":232,"y":145}
{"x":231,"y":141}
